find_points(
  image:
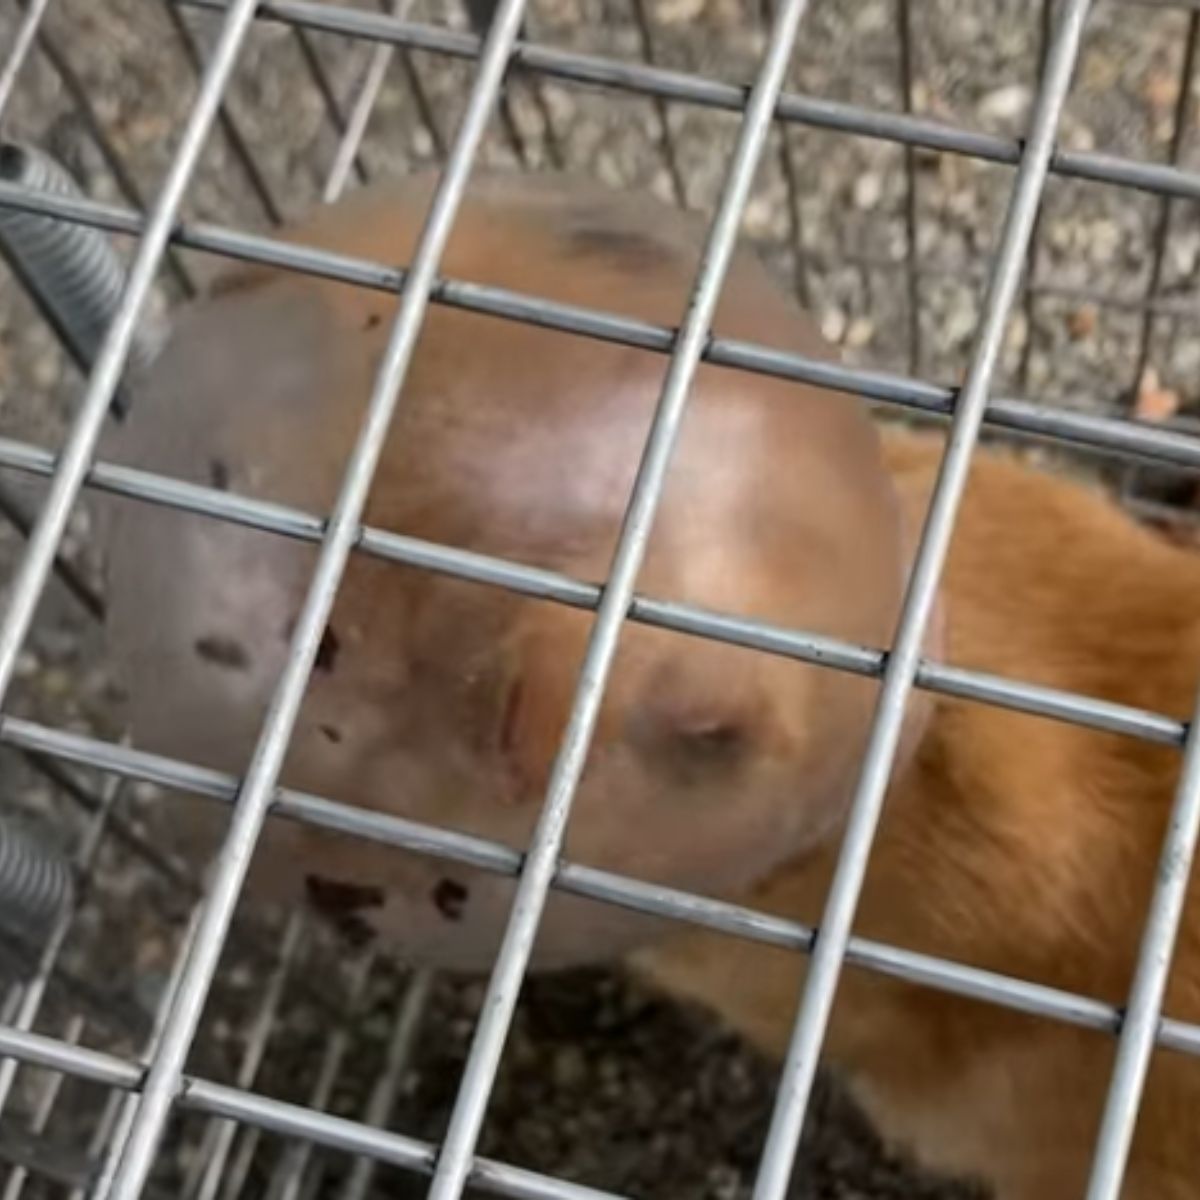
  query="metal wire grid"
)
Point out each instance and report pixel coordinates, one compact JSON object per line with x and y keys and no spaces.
{"x":152,"y":1095}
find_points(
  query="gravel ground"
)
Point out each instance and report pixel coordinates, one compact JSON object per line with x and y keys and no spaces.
{"x":602,"y":1083}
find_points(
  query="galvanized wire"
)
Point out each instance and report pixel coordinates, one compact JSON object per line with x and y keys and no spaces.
{"x":22,"y":43}
{"x":1153,"y":442}
{"x":540,"y":859}
{"x":72,"y":272}
{"x":643,"y":80}
{"x":162,"y":1081}
{"x":139,"y":1122}
{"x":85,"y":110}
{"x":820,"y":985}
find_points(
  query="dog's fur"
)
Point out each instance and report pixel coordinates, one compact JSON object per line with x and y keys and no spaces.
{"x":1008,"y":842}
{"x":1013,"y":843}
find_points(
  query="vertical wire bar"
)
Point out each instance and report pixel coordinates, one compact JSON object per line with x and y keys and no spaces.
{"x":35,"y":990}
{"x":126,"y":1102}
{"x":342,"y":531}
{"x":1162,"y":231}
{"x":551,"y":142}
{"x":791,"y":179}
{"x":122,"y":176}
{"x":1029,"y":299}
{"x":288,"y":1175}
{"x":481,"y":14}
{"x":421,"y":100}
{"x":829,"y":952}
{"x":234,"y":1180}
{"x":306,"y":44}
{"x":230,"y":127}
{"x":76,"y":455}
{"x":19,"y":1175}
{"x":512,"y":131}
{"x":383,"y":1095}
{"x":666,"y":136}
{"x":12,"y":508}
{"x":23,"y":42}
{"x":420,"y":96}
{"x":364,"y":105}
{"x":912,"y":276}
{"x":413,"y":1004}
{"x":795,"y":215}
{"x":541,"y":858}
{"x":534,"y":85}
{"x":1143,"y":1013}
{"x":1179,"y":132}
{"x":11,"y":1000}
{"x":101,"y":1133}
{"x":219,"y":1134}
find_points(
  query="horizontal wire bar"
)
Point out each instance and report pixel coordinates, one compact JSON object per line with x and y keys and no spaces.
{"x":592,"y":883}
{"x":288,"y":1120}
{"x":541,"y":584}
{"x":642,"y":79}
{"x":1164,"y":730}
{"x":1107,"y":434}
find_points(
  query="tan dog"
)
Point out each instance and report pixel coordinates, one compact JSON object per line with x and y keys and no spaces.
{"x":1008,"y":842}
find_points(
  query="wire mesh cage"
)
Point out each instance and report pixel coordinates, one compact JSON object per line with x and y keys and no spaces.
{"x":988,"y":206}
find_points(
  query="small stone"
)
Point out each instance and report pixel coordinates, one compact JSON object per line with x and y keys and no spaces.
{"x":1154,"y":402}
{"x":422,"y":142}
{"x":1082,"y":322}
{"x":678,"y":12}
{"x":569,"y":1067}
{"x":1009,"y":103}
{"x":55,"y":682}
{"x":1017,"y":332}
{"x":1161,"y":90}
{"x":859,"y":332}
{"x":1103,"y":238}
{"x":760,"y":215}
{"x":833,"y":324}
{"x":868,"y":189}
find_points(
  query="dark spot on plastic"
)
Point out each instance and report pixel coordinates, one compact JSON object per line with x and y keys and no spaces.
{"x":222,"y":651}
{"x":628,"y":248}
{"x":332,"y":733}
{"x":449,"y":897}
{"x":337,"y":900}
{"x":357,"y":932}
{"x":372,"y":321}
{"x":218,"y":474}
{"x":327,"y":651}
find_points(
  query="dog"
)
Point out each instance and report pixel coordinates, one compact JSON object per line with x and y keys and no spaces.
{"x":1008,"y":842}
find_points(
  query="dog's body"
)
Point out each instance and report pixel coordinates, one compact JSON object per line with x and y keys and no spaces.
{"x":1013,"y":843}
{"x":1008,"y":842}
